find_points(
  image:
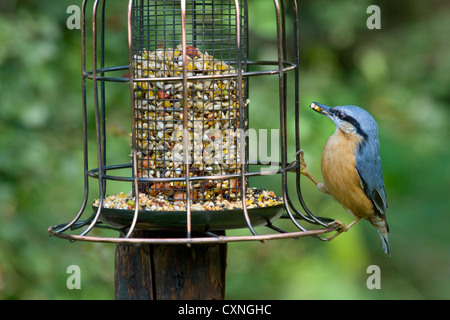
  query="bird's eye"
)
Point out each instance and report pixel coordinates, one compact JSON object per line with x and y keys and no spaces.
{"x":340,"y":114}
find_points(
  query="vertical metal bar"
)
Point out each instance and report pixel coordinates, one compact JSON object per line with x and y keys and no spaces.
{"x":242,"y":119}
{"x":282,"y":98}
{"x":186,"y":135}
{"x":141,"y":23}
{"x":97,"y":119}
{"x":102,"y":88}
{"x":84,"y":115}
{"x":246,"y":23}
{"x":194,"y":23}
{"x":133,"y":120}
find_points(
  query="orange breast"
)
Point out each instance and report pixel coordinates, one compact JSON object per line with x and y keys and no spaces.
{"x":340,"y":176}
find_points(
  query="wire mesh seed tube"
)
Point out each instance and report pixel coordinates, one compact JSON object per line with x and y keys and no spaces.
{"x":189,"y":94}
{"x":207,"y":108}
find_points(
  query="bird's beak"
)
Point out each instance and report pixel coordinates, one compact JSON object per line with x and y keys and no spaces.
{"x":321,"y":108}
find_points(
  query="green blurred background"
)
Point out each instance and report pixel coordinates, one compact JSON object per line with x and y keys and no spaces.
{"x":400,"y":73}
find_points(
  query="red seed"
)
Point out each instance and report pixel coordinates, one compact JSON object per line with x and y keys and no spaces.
{"x":192,"y":52}
{"x":163,"y":95}
{"x":146,"y":162}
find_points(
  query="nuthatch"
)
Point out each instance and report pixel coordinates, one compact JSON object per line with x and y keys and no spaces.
{"x":351,"y":167}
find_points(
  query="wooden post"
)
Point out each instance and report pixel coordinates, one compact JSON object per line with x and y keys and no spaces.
{"x":169,"y":272}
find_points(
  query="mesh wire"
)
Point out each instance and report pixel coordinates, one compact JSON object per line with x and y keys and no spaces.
{"x":212,"y":97}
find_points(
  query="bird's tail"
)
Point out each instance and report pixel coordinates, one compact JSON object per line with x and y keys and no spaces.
{"x":384,"y":242}
{"x":383,"y":230}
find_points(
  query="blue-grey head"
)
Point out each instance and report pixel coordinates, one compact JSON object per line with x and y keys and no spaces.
{"x":350,"y":119}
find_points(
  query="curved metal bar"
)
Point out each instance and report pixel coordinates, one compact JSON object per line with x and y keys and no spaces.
{"x":83,"y":98}
{"x":282,"y":88}
{"x":199,"y":240}
{"x":94,"y":174}
{"x":133,"y":120}
{"x":313,"y":218}
{"x":296,"y":102}
{"x":288,"y":67}
{"x":97,"y":119}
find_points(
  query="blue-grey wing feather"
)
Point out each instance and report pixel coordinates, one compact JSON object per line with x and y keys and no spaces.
{"x":368,"y":166}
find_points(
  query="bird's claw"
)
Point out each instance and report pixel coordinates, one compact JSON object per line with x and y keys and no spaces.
{"x":302,"y":163}
{"x":340,"y":227}
{"x":303,"y":171}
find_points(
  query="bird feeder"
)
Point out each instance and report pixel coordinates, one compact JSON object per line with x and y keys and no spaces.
{"x":189,"y":179}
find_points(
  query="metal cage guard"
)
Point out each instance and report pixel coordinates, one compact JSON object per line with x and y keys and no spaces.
{"x":187,"y":177}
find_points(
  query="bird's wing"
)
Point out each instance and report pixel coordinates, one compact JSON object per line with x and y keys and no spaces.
{"x":368,"y":166}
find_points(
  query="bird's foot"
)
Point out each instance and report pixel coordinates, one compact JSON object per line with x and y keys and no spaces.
{"x":304,"y":171}
{"x":340,"y":227}
{"x":302,"y":161}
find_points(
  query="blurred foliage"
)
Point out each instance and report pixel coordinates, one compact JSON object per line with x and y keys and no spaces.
{"x":399,"y":73}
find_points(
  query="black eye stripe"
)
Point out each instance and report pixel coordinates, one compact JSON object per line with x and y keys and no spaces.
{"x":355,"y":123}
{"x":350,"y":120}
